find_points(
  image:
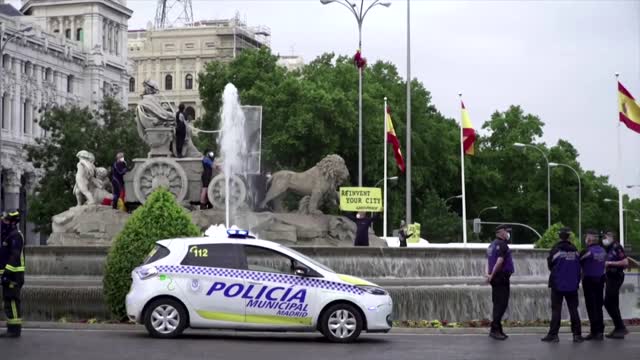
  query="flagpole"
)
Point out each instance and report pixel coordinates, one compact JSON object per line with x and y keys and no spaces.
{"x":384,"y":204}
{"x":408,"y":215}
{"x":620,"y":180}
{"x":464,"y":199}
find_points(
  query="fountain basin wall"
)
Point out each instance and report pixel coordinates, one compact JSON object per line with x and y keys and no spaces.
{"x":445,"y":284}
{"x":363,"y":262}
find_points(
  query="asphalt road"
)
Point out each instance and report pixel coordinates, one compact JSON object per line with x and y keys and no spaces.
{"x":135,"y":344}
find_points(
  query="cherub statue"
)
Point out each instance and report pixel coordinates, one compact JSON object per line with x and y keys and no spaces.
{"x":85,"y":175}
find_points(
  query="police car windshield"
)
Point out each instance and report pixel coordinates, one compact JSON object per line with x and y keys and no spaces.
{"x":308,"y":259}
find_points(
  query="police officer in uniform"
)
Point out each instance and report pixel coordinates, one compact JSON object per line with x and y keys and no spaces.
{"x":564,"y":263}
{"x":592,"y":260}
{"x":500,"y":268}
{"x":615,"y":264}
{"x":12,"y":271}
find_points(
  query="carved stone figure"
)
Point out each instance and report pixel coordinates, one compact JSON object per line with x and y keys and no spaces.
{"x":101,"y":185}
{"x":318,"y":183}
{"x":85,"y":175}
{"x":155,"y":123}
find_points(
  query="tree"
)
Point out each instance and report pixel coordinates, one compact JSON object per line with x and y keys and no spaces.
{"x":550,"y":238}
{"x":314,"y":112}
{"x":103,"y":132}
{"x":161,"y":217}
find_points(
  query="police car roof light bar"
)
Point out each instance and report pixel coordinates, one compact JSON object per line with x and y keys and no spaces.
{"x":239,"y":234}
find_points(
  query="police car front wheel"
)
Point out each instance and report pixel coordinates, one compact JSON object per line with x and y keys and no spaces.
{"x":341,"y":323}
{"x":165,"y":318}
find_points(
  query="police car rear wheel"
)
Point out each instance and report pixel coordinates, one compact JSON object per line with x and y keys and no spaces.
{"x":165,"y":318}
{"x":341,"y":323}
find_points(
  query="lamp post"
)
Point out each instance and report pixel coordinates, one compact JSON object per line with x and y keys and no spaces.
{"x":485,"y":209}
{"x":453,"y":197}
{"x":521,"y":145}
{"x":359,"y":12}
{"x":624,"y":210}
{"x":392,"y":179}
{"x":552,"y":164}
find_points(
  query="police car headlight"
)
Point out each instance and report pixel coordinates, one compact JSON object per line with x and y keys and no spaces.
{"x":373,"y":290}
{"x":146,"y":272}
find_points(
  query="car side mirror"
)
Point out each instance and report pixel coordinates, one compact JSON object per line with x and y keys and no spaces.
{"x":301,"y":270}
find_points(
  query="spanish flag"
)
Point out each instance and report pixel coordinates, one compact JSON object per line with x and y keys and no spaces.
{"x":468,"y":133}
{"x":629,"y":109}
{"x":392,"y":138}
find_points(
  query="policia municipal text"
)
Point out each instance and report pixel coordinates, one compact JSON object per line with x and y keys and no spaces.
{"x":11,"y":271}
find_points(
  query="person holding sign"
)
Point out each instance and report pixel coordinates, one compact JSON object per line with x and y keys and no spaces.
{"x":363,"y":223}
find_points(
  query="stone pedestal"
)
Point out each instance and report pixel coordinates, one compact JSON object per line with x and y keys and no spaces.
{"x":159,"y":140}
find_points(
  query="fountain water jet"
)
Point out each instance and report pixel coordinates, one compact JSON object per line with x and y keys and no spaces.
{"x":232,"y":140}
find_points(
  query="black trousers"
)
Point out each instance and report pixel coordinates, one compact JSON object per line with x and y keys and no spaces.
{"x":612,"y":298}
{"x":593,"y":288}
{"x":500,"y":292}
{"x":556,"y":311}
{"x":116,"y":193}
{"x":180,"y":139}
{"x":11,"y":299}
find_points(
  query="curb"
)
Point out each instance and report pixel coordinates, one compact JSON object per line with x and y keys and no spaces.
{"x":45,"y":325}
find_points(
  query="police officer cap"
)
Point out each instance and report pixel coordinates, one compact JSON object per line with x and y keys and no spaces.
{"x":12,"y":215}
{"x":564,"y":230}
{"x":503,"y":226}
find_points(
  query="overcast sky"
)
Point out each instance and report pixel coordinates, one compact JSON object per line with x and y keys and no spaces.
{"x":555,"y":58}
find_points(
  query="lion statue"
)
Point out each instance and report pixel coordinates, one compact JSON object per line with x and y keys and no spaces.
{"x":317,"y":185}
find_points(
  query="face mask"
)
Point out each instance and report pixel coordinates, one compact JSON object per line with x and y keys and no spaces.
{"x":606,"y":241}
{"x":508,"y":236}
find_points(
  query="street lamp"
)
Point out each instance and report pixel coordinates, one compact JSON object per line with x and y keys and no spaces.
{"x":552,"y":164}
{"x":359,"y":12}
{"x":453,"y":197}
{"x":392,"y":179}
{"x":485,"y":209}
{"x":521,"y":145}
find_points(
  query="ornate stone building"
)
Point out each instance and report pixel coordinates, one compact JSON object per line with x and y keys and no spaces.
{"x":54,"y":52}
{"x":173,"y":57}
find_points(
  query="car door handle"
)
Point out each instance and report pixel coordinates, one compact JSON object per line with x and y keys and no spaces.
{"x":255,"y":283}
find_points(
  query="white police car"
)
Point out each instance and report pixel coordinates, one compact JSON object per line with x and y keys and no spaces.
{"x":238,"y":282}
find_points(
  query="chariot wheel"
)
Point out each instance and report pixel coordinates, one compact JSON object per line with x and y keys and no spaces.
{"x":216,"y":191}
{"x":160,"y":172}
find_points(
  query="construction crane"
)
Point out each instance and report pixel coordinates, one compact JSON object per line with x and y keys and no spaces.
{"x":173,"y":13}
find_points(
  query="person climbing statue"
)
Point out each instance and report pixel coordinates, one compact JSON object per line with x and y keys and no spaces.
{"x":207,"y":175}
{"x":181,"y":130}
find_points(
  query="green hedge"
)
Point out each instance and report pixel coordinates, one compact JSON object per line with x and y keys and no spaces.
{"x":161,"y":217}
{"x":551,"y":237}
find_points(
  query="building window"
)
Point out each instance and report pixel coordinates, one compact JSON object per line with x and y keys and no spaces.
{"x":189,"y":46}
{"x":190,"y":113}
{"x":56,"y":31}
{"x":70,"y":84}
{"x":67,"y":34}
{"x":5,"y":108}
{"x":210,"y":45}
{"x":188,"y":82}
{"x":79,"y":35}
{"x":168,"y":82}
{"x":48,"y":76}
{"x":169,"y":46}
{"x":6,"y":61}
{"x":132,"y":84}
{"x":24,"y":118}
